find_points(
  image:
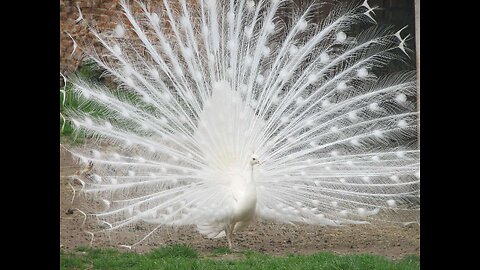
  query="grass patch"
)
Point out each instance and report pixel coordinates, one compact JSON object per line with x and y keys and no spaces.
{"x":175,"y":251}
{"x":221,"y":251}
{"x":68,"y":100}
{"x":184,"y":257}
{"x":71,"y":101}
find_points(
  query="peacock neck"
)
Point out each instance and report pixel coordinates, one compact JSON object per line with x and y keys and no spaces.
{"x":251,"y":179}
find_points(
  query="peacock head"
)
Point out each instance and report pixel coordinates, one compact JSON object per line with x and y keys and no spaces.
{"x":254,"y":160}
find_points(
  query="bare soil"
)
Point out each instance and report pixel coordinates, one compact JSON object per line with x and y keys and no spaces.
{"x":392,"y":241}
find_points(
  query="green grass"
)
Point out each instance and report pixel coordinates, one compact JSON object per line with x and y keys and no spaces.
{"x":184,"y":257}
{"x":221,"y":251}
{"x":73,"y":101}
{"x":89,"y":72}
{"x":68,"y":100}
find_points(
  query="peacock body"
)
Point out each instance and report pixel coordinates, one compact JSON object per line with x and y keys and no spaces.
{"x":233,"y":112}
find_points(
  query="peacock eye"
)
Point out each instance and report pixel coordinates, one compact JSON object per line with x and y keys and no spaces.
{"x":254,"y":159}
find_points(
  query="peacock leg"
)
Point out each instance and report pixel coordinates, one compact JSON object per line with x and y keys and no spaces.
{"x":229,"y":241}
{"x":228,"y":233}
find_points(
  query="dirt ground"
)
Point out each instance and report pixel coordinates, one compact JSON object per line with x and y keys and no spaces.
{"x":277,"y":239}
